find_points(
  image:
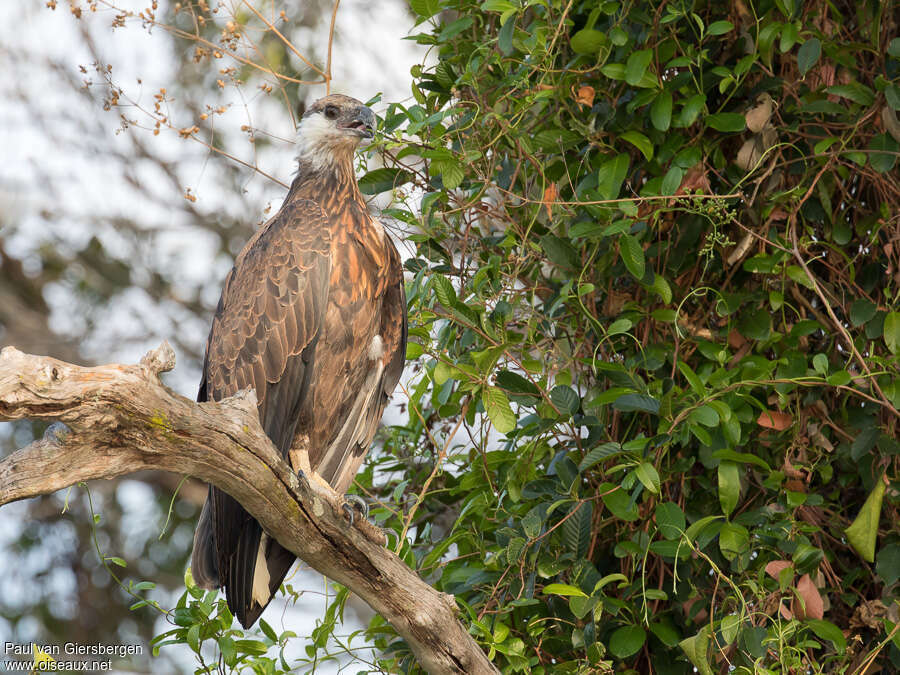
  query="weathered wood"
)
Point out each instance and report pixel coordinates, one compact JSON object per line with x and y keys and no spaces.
{"x":123,"y":420}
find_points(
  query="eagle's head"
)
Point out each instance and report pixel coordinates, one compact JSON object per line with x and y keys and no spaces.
{"x":331,"y":129}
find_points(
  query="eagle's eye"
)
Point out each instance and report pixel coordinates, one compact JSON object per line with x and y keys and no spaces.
{"x":331,"y":112}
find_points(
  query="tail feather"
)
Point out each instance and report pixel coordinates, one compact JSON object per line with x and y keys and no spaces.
{"x":257,"y":569}
{"x":204,"y":567}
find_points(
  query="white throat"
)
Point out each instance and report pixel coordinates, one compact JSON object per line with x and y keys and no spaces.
{"x":317,"y":140}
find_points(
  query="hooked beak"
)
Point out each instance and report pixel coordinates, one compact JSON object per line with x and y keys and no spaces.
{"x":361,"y":123}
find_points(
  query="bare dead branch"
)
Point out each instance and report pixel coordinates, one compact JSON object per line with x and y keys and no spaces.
{"x":123,"y":420}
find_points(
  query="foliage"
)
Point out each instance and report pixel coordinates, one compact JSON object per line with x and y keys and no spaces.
{"x":654,"y":334}
{"x":654,"y":305}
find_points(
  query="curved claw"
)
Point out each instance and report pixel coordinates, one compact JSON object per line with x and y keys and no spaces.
{"x":388,"y":534}
{"x":359,"y":503}
{"x":349,"y":509}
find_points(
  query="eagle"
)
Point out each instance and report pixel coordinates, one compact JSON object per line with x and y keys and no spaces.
{"x":313,"y":317}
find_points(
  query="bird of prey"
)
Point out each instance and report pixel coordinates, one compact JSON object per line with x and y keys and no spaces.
{"x":313,"y":317}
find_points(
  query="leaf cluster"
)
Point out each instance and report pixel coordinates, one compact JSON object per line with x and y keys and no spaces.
{"x":654,"y":317}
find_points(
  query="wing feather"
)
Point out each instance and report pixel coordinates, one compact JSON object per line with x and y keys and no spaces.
{"x":264,"y":335}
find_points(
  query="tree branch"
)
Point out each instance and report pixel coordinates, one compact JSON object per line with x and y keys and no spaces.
{"x":123,"y":420}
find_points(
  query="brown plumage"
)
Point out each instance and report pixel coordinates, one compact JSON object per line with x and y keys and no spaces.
{"x":313,"y":317}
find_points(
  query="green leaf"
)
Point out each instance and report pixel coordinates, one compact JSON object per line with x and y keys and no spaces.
{"x":565,"y":399}
{"x":560,"y":251}
{"x":695,"y":382}
{"x":498,"y":409}
{"x":636,"y":66}
{"x":627,"y":641}
{"x":516,"y":384}
{"x":705,"y":415}
{"x":611,"y":174}
{"x":789,"y":37}
{"x":641,"y":142}
{"x":618,"y":36}
{"x":734,"y":540}
{"x":820,"y":364}
{"x":532,"y":524}
{"x":632,"y":255}
{"x":637,"y":402}
{"x":425,"y":8}
{"x":600,"y":453}
{"x":226,"y":646}
{"x":862,"y":311}
{"x":614,"y":71}
{"x":720,"y":28}
{"x":828,"y":631}
{"x":696,"y":528}
{"x":863,"y":531}
{"x":854,"y":91}
{"x":505,"y":36}
{"x":443,"y":289}
{"x":661,"y":287}
{"x":563,"y":589}
{"x":696,"y":648}
{"x":649,"y":476}
{"x":883,"y":161}
{"x":618,"y":502}
{"x":268,"y":631}
{"x":665,"y":631}
{"x":254,"y":647}
{"x":452,"y":174}
{"x":661,"y":110}
{"x":501,"y":6}
{"x":894,"y":47}
{"x":727,"y":122}
{"x":670,"y":520}
{"x":672,"y":180}
{"x":608,"y":579}
{"x":382,"y":180}
{"x":691,"y":109}
{"x":892,"y":96}
{"x":193,"y":637}
{"x":619,"y":327}
{"x":808,"y":55}
{"x":729,"y":626}
{"x":576,"y":529}
{"x":588,"y":41}
{"x":892,"y":331}
{"x":741,"y":458}
{"x":729,"y":486}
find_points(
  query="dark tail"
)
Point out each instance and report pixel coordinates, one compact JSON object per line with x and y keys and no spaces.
{"x":204,"y":568}
{"x":257,"y":569}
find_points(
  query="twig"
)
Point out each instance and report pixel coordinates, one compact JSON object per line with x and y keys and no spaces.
{"x":288,"y":44}
{"x":330,"y":43}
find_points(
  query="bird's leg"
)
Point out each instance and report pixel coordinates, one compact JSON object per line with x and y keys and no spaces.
{"x":299,"y":458}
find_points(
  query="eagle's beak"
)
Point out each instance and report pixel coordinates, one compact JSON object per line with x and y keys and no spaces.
{"x":362,"y":122}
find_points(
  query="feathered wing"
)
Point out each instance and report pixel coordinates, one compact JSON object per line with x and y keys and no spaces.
{"x":339,"y":458}
{"x":264,"y":335}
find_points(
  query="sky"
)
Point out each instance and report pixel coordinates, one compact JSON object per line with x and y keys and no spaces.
{"x":57,"y":145}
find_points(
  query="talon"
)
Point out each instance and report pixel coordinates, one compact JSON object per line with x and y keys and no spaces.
{"x":359,"y":503}
{"x":349,"y":509}
{"x":388,"y":533}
